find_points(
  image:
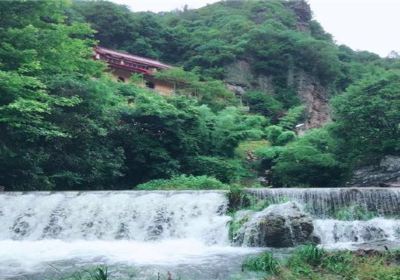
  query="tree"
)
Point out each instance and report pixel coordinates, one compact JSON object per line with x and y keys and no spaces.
{"x":368,"y":117}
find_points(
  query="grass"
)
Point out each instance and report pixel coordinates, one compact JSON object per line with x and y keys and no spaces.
{"x":354,"y":212}
{"x":264,"y":263}
{"x":97,"y":273}
{"x":311,"y":262}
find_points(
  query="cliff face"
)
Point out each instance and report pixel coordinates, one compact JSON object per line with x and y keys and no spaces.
{"x":287,"y":65}
{"x":314,"y":96}
{"x":310,"y":91}
{"x":385,"y":174}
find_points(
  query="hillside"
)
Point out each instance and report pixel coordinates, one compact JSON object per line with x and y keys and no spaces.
{"x":271,"y":52}
{"x":66,"y":125}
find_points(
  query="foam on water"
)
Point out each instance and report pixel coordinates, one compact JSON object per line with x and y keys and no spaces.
{"x":322,"y":202}
{"x":161,"y":228}
{"x":185,"y":229}
{"x":346,"y":232}
{"x":21,"y":257}
{"x":140,"y":216}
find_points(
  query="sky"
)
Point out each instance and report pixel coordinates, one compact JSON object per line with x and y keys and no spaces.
{"x":371,"y":25}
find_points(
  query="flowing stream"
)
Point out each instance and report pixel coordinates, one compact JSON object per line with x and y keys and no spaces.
{"x":382,"y":204}
{"x":147,"y":235}
{"x":144,"y":234}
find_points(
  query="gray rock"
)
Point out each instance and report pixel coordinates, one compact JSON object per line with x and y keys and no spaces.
{"x":314,"y":96}
{"x":385,"y":174}
{"x":280,"y":225}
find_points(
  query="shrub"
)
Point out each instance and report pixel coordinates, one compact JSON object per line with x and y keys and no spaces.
{"x":310,"y":161}
{"x":264,"y":262}
{"x":225,"y":170}
{"x":263,"y":103}
{"x":285,"y":138}
{"x":251,"y":146}
{"x":273,"y":132}
{"x":184,"y":182}
{"x":292,"y":117}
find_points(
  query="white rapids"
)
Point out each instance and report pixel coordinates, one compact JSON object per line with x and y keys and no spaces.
{"x":134,"y":228}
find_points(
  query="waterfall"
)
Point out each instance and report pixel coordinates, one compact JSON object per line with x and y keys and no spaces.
{"x":377,"y":229}
{"x":323,"y":203}
{"x":123,"y":215}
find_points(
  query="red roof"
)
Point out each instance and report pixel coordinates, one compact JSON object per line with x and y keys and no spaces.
{"x":132,"y":58}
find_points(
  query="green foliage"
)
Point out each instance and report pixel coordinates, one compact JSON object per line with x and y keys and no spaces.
{"x":264,"y":104}
{"x":368,"y":117}
{"x":309,"y":161}
{"x":354,"y":212}
{"x":264,"y":262}
{"x":293,"y":116}
{"x":225,"y":170}
{"x":65,"y":125}
{"x":235,"y":225}
{"x":98,"y":273}
{"x":184,"y":182}
{"x":211,"y":92}
{"x":273,"y":132}
{"x":339,"y":263}
{"x":309,"y":254}
{"x":278,"y":137}
{"x":309,"y":262}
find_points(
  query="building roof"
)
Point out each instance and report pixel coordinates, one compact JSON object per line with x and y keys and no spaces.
{"x":132,"y":58}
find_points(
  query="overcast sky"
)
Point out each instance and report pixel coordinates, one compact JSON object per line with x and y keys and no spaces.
{"x":371,"y":25}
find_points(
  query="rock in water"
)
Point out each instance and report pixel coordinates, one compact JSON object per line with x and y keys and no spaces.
{"x":279,"y":225}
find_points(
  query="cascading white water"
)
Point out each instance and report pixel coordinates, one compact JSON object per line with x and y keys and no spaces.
{"x":139,"y":216}
{"x":129,"y":228}
{"x":334,"y":231}
{"x":322,"y":204}
{"x":164,"y":230}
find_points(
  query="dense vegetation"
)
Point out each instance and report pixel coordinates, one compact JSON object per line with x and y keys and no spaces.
{"x":64,"y":124}
{"x":310,"y":262}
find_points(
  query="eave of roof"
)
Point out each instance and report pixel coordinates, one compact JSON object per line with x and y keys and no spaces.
{"x":133,"y":58}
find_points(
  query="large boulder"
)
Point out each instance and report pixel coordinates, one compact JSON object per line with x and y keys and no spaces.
{"x":385,"y":174}
{"x":280,"y":225}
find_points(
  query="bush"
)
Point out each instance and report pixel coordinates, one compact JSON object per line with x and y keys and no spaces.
{"x":368,"y":117}
{"x":184,"y":182}
{"x":263,"y":103}
{"x":292,"y":117}
{"x":285,"y":138}
{"x":309,"y":161}
{"x":273,"y":132}
{"x":225,"y":170}
{"x":264,"y":262}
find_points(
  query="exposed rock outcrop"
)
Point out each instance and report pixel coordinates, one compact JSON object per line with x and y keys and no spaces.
{"x":314,"y":96}
{"x":303,"y":13}
{"x":280,"y":225}
{"x":239,"y":78}
{"x":385,"y":174}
